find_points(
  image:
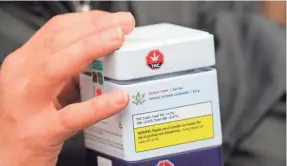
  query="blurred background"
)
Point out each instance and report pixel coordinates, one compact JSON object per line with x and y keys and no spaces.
{"x":250,"y":40}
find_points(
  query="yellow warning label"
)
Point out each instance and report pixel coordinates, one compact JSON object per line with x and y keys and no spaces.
{"x":174,"y":133}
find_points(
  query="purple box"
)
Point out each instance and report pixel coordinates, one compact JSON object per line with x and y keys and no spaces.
{"x":204,"y":157}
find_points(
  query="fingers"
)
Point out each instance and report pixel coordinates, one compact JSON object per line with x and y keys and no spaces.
{"x":74,"y":58}
{"x":82,"y":115}
{"x":64,"y":21}
{"x":60,"y":39}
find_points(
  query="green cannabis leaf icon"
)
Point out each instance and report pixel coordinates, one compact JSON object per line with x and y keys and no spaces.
{"x":138,"y":99}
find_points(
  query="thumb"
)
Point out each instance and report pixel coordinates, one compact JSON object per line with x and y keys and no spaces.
{"x":78,"y":116}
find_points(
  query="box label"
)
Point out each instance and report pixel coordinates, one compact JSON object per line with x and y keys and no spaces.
{"x":172,"y":127}
{"x":97,"y":70}
{"x":106,"y":136}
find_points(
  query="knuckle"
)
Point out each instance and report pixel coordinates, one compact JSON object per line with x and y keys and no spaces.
{"x":55,"y":20}
{"x":49,"y":44}
{"x":86,"y":51}
{"x":94,"y":103}
{"x":55,"y":23}
{"x":113,"y":20}
{"x":46,"y":72}
{"x":95,"y":26}
{"x":94,"y":22}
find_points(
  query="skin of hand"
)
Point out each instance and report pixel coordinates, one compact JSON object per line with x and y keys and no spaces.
{"x":33,"y":79}
{"x":275,"y":10}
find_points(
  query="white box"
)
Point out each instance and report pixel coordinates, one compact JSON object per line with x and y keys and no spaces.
{"x":183,"y":49}
{"x":174,"y":104}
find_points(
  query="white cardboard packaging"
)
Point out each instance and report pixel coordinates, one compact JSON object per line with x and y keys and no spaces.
{"x":174,"y":104}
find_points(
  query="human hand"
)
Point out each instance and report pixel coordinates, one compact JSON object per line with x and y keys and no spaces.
{"x":275,"y":10}
{"x":32,"y":126}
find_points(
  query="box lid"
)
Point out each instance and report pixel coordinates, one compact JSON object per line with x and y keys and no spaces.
{"x":160,"y":49}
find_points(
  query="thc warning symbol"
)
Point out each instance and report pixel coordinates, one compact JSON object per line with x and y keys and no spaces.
{"x":154,"y":59}
{"x":98,"y":92}
{"x":165,"y":163}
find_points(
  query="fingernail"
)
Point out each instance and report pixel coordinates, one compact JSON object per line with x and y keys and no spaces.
{"x":113,"y":34}
{"x":120,"y":97}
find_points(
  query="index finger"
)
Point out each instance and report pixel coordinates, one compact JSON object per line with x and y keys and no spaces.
{"x":66,"y":20}
{"x":74,"y":58}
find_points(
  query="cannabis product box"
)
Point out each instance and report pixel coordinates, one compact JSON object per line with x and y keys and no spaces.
{"x":173,"y":117}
